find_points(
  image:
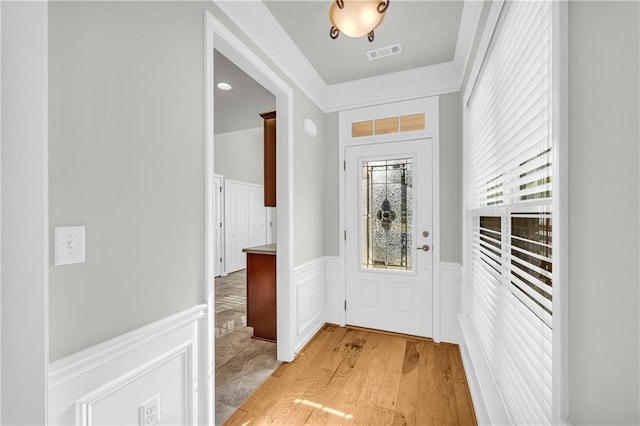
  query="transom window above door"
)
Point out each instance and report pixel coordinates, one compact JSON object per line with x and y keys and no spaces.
{"x":386,"y":125}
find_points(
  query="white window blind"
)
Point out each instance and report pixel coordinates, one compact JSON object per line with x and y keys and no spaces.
{"x":509,"y":190}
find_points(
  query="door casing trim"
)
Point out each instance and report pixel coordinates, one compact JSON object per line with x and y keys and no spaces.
{"x":431,"y":107}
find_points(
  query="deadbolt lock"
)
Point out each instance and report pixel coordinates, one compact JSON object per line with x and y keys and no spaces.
{"x":425,"y":234}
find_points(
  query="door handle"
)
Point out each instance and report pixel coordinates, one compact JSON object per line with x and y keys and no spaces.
{"x":424,"y":248}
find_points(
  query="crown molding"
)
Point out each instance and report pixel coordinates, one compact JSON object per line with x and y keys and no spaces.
{"x":257,"y":22}
{"x":400,"y":86}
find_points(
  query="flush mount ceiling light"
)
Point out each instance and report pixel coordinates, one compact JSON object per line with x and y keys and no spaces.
{"x":223,"y":86}
{"x":356,"y":18}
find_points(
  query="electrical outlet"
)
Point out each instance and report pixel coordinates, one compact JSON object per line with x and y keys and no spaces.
{"x":150,"y":411}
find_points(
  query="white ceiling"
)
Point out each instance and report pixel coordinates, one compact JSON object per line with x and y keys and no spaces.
{"x":435,"y":36}
{"x":238,"y":108}
{"x":426,"y":30}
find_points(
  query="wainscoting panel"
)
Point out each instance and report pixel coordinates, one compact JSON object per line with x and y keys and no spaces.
{"x":309,"y":282}
{"x":155,"y":366}
{"x":335,"y":294}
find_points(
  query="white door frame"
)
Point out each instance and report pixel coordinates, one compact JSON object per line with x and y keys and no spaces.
{"x":25,"y":216}
{"x":430,"y":106}
{"x":218,"y":37}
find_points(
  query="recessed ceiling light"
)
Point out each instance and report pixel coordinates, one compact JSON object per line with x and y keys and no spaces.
{"x":224,"y":86}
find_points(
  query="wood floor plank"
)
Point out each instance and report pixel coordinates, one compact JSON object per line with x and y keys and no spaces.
{"x":311,"y":380}
{"x":239,"y":417}
{"x":339,"y":347}
{"x":446,"y":413}
{"x":391,"y":372}
{"x":408,"y":388}
{"x":426,"y":383}
{"x":466,"y":414}
{"x":360,"y":377}
{"x":375,"y":341}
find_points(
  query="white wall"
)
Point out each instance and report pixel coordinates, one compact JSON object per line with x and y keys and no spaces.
{"x":332,"y":170}
{"x":126,"y":161}
{"x":240,"y":155}
{"x":309,"y":180}
{"x":24,"y":213}
{"x":603,"y":212}
{"x":451,"y":178}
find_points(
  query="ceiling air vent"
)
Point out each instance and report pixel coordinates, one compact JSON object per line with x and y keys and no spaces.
{"x":383,"y":52}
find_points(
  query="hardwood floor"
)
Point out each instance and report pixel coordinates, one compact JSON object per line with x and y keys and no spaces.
{"x":361,"y":377}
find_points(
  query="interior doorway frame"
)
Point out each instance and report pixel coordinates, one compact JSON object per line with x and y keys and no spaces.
{"x":220,"y":38}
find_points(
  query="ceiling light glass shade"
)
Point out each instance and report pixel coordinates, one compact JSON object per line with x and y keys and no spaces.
{"x":357,"y":18}
{"x":224,"y":86}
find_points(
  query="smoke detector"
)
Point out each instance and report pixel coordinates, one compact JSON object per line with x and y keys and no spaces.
{"x":383,"y":52}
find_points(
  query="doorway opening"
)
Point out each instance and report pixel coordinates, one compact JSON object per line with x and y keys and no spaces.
{"x":242,"y":362}
{"x":219,"y":38}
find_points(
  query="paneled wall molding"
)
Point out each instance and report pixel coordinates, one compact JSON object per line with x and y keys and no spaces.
{"x":158,"y":359}
{"x":334,"y":292}
{"x":69,"y":367}
{"x":185,"y":356}
{"x":309,"y":284}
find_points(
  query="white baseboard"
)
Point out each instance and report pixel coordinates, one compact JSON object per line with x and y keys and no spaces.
{"x":309,"y":283}
{"x":487,"y":401}
{"x":107,"y":383}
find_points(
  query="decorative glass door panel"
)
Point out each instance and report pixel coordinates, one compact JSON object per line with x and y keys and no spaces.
{"x":387,"y":214}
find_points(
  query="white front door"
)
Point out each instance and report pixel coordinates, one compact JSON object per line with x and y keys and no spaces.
{"x":389,"y":263}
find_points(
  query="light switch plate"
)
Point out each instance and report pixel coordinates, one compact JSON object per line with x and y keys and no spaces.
{"x":68,"y":245}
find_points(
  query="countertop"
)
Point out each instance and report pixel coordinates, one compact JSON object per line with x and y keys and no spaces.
{"x":264,"y":249}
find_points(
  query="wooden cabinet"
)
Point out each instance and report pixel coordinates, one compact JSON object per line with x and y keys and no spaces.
{"x":269,"y":158}
{"x":261,"y":291}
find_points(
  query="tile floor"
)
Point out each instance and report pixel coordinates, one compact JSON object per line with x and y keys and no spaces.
{"x":242,"y":363}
